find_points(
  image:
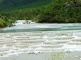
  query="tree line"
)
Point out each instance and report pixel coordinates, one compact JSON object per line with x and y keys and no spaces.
{"x":58,"y":11}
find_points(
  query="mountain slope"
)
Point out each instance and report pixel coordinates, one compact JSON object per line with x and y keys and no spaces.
{"x":19,"y":4}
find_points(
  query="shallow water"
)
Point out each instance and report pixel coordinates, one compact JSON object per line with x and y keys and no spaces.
{"x":39,"y":41}
{"x":42,"y":27}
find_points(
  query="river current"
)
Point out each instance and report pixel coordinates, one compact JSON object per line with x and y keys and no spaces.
{"x":39,"y":39}
{"x":42,"y":27}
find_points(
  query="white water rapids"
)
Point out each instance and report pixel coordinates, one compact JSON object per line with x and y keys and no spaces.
{"x":38,"y":42}
{"x":39,"y":38}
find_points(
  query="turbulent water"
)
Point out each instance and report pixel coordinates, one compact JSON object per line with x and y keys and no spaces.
{"x":39,"y":42}
{"x":27,"y":39}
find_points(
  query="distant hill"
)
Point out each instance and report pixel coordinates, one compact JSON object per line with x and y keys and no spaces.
{"x":41,"y":11}
{"x":21,"y":4}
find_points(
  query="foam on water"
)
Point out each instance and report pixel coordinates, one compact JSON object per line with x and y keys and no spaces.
{"x":39,"y":42}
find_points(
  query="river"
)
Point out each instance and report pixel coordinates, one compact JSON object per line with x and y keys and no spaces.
{"x":39,"y":41}
{"x":42,"y":27}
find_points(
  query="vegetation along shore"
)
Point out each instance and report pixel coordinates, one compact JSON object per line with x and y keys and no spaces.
{"x":48,"y":11}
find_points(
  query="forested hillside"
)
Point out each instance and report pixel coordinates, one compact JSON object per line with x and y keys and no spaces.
{"x":11,"y":10}
{"x":61,"y":11}
{"x":21,"y":4}
{"x":56,"y":11}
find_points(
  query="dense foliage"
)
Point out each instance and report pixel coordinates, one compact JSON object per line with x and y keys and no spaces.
{"x":57,"y":11}
{"x":61,"y":11}
{"x":4,"y":22}
{"x":11,"y":10}
{"x":7,"y":5}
